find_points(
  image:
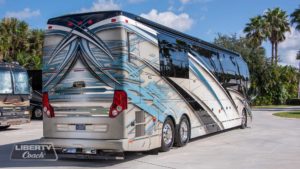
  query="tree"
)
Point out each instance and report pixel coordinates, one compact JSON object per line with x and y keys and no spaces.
{"x":276,"y":26}
{"x":295,"y":18}
{"x":255,"y":31}
{"x":272,"y":26}
{"x":19,"y":43}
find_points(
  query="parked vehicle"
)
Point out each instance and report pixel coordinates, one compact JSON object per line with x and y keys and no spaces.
{"x":115,"y":82}
{"x":35,"y":78}
{"x":14,"y":95}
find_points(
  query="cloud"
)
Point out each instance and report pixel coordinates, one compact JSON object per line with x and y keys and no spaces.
{"x":24,"y":14}
{"x":288,"y":49}
{"x":102,"y":5}
{"x":181,"y":22}
{"x":184,"y":1}
{"x":135,"y":1}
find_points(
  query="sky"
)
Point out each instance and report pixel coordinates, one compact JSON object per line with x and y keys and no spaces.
{"x":203,"y":19}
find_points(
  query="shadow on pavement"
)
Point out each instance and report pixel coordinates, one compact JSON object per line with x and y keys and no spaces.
{"x":5,"y":161}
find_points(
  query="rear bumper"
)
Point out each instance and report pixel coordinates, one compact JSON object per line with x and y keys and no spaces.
{"x":113,"y":145}
{"x":14,"y":120}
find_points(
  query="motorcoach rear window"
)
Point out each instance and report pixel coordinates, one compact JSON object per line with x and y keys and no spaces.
{"x":5,"y":85}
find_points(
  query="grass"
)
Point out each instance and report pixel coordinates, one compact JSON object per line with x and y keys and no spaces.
{"x":295,"y":114}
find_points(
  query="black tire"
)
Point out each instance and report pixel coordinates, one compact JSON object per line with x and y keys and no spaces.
{"x":183,"y":132}
{"x":4,"y":127}
{"x":167,"y":138}
{"x":244,"y":120}
{"x":37,"y":113}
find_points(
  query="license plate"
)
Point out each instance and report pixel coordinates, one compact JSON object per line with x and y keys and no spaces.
{"x":80,"y":126}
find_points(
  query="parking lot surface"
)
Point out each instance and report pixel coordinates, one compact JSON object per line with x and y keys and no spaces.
{"x":269,"y":143}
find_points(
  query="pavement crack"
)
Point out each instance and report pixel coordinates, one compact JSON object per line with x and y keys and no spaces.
{"x":154,"y":164}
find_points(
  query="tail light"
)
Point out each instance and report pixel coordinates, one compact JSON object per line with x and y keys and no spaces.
{"x":119,"y":103}
{"x":47,"y":108}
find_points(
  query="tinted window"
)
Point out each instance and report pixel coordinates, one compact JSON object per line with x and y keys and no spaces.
{"x":218,"y":67}
{"x":243,"y":71}
{"x":204,"y":56}
{"x":229,"y":64}
{"x":5,"y":85}
{"x":173,"y":57}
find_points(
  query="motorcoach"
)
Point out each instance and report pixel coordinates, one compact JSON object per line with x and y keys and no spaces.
{"x":115,"y":82}
{"x":14,"y":95}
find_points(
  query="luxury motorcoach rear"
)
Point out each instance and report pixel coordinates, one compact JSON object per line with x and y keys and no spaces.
{"x":115,"y":82}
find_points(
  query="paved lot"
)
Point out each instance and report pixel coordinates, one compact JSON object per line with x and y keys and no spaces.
{"x":270,"y":143}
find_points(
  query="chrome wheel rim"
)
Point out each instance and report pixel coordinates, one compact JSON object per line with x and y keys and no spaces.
{"x":167,"y":134}
{"x":183,"y":131}
{"x":38,"y":113}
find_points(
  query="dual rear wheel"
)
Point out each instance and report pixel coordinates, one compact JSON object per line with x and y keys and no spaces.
{"x":171,"y":135}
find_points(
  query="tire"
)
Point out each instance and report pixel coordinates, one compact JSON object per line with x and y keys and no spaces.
{"x":37,"y":113}
{"x":4,"y":127}
{"x":183,"y":133}
{"x":168,"y":134}
{"x":244,"y":120}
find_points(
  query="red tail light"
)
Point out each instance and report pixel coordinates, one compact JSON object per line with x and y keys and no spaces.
{"x":47,"y":108}
{"x":119,"y":103}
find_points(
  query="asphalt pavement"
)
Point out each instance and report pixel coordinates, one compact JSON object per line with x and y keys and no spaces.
{"x":270,"y":142}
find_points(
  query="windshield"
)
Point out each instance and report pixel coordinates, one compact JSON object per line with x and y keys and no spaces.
{"x":21,"y":84}
{"x":5,"y":85}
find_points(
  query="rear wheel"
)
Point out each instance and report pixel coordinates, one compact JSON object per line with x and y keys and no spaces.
{"x":183,"y":133}
{"x":37,"y":113}
{"x":168,"y":133}
{"x":244,"y":120}
{"x":4,"y":127}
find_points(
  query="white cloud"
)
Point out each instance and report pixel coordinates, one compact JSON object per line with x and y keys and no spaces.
{"x":288,"y":49}
{"x":102,"y":5}
{"x":181,"y":22}
{"x":135,"y":1}
{"x":184,"y":1}
{"x":24,"y":14}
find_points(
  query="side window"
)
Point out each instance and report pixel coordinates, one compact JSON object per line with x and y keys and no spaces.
{"x":216,"y":59}
{"x":230,"y":69}
{"x":243,"y":71}
{"x":173,"y":57}
{"x":204,"y":56}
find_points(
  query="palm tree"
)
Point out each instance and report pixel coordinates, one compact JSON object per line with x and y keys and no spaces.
{"x":19,"y":43}
{"x":255,"y":32}
{"x":14,"y":35}
{"x":277,"y":25}
{"x":296,"y":18}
